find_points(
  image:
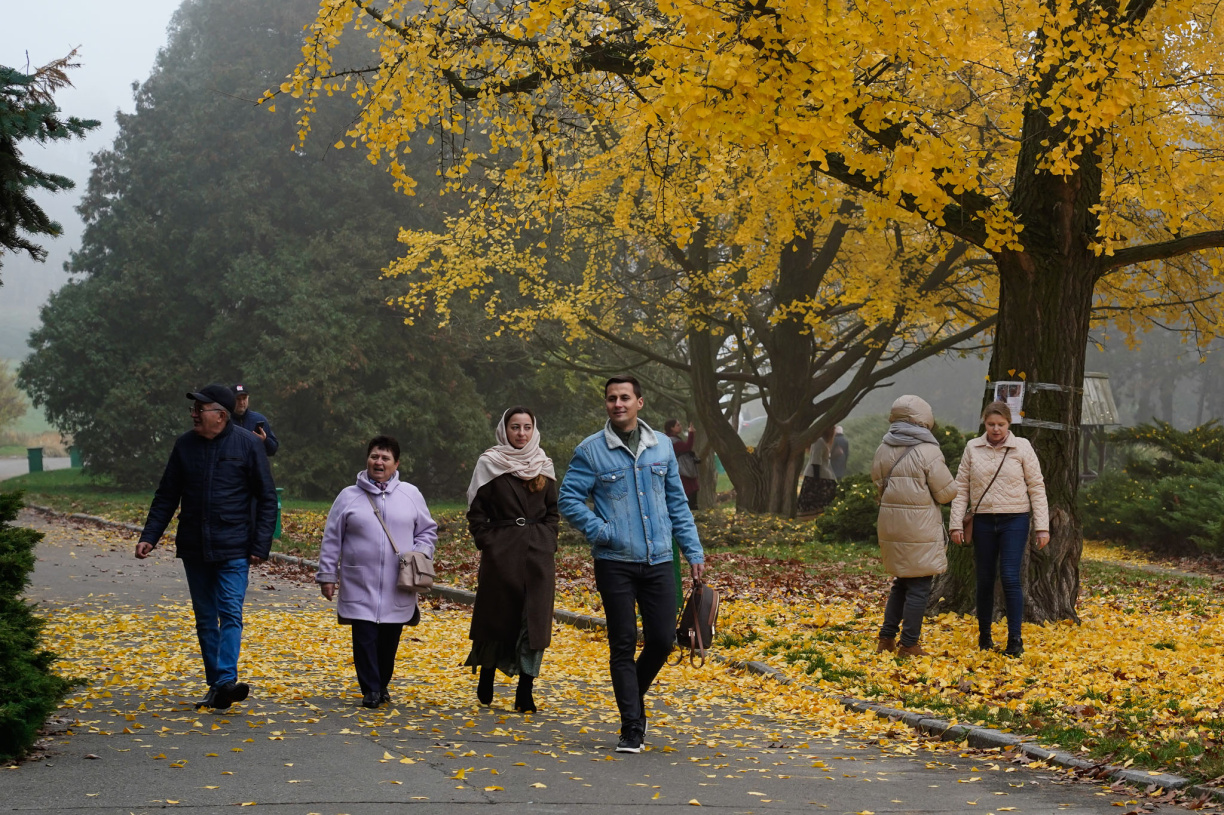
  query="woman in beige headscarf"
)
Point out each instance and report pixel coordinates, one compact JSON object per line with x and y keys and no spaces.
{"x":512,"y":514}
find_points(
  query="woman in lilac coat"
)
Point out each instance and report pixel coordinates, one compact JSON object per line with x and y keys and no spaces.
{"x":357,"y":554}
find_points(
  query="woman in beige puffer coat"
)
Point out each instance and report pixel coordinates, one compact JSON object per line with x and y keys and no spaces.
{"x":999,"y":483}
{"x":911,"y":480}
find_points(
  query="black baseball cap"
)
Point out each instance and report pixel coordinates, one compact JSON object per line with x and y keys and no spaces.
{"x":241,"y":390}
{"x":216,"y":392}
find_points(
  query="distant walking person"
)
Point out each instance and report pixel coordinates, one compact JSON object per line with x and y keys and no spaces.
{"x":840,"y":457}
{"x":218,"y":475}
{"x":819,"y":487}
{"x":248,"y":419}
{"x":911,"y":481}
{"x":366,"y":524}
{"x":686,"y":459}
{"x":999,"y":483}
{"x":634,"y":481}
{"x":513,"y":518}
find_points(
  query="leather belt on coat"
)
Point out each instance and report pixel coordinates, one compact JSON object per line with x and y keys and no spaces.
{"x":514,"y":522}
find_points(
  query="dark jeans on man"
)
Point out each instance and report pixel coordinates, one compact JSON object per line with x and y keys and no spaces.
{"x":907,"y":603}
{"x":998,"y":547}
{"x":652,"y":589}
{"x":217,"y":593}
{"x":374,"y":648}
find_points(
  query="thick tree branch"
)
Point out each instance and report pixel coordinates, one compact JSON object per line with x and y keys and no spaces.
{"x":1164,"y":250}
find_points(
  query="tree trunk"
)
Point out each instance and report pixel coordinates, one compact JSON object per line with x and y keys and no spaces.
{"x":1045,"y":307}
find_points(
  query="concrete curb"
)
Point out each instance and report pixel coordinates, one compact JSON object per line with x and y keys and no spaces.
{"x":977,"y":737}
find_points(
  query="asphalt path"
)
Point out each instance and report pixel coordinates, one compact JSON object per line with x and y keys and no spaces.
{"x":134,"y":751}
{"x":11,"y":467}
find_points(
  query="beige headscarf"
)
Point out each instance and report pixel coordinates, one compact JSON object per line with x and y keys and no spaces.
{"x":526,"y":463}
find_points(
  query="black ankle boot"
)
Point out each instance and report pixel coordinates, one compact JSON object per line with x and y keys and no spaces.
{"x":985,"y":643}
{"x":523,"y":700}
{"x":1014,"y":648}
{"x":484,"y":688}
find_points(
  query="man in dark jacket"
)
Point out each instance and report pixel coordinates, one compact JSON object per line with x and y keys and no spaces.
{"x":218,"y":474}
{"x":248,"y":419}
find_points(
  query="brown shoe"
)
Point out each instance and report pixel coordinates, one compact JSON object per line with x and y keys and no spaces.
{"x":914,"y":650}
{"x":886,"y":644}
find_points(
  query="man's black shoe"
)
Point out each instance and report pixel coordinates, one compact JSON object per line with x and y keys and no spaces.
{"x":631,"y":739}
{"x":371,"y":699}
{"x":229,"y":693}
{"x":384,"y":698}
{"x":209,"y":700}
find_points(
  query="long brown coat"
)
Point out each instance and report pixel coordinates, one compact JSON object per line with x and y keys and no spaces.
{"x":517,"y":565}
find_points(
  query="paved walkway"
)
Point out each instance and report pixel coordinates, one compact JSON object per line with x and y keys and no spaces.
{"x":11,"y":467}
{"x":127,"y":742}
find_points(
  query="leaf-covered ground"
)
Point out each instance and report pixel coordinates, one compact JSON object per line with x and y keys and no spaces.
{"x":1141,"y":679}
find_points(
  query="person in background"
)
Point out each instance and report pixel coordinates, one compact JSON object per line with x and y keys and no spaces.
{"x":357,"y":554}
{"x":840,"y":457}
{"x":634,"y":483}
{"x":911,"y":481}
{"x":686,"y":459}
{"x":248,"y":419}
{"x":513,"y":518}
{"x":999,"y":481}
{"x":819,"y":487}
{"x":219,"y":480}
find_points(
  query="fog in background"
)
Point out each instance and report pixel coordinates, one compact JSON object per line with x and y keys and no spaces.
{"x":118,"y":42}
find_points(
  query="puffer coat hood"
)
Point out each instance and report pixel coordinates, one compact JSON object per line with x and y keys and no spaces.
{"x":912,"y":409}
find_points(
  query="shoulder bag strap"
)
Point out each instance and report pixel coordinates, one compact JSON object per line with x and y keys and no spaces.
{"x":379,"y":516}
{"x":908,"y":450}
{"x":982,"y":497}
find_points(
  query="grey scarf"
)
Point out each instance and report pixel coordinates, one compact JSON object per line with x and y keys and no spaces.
{"x":904,"y":434}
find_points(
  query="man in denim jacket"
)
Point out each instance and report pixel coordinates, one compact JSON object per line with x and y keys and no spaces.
{"x":631,"y":474}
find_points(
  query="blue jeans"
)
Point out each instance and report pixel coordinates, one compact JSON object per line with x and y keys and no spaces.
{"x":217,"y":593}
{"x":998,"y":547}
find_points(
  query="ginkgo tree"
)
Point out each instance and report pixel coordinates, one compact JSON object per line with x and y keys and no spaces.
{"x":1071,"y":141}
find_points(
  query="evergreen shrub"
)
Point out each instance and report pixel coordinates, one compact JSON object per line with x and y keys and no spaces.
{"x":1167,"y":497}
{"x":29,"y":690}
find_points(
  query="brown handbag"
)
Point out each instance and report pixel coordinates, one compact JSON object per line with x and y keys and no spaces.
{"x":967,"y":523}
{"x":416,"y":570}
{"x":696,"y":628}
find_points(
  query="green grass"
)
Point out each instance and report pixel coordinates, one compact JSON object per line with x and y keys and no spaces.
{"x":77,"y":491}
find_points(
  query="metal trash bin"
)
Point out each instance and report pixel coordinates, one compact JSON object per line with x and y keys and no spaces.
{"x":34,"y":455}
{"x":280,"y":491}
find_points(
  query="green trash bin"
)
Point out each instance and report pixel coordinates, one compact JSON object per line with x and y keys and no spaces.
{"x":280,"y":491}
{"x":34,"y":457}
{"x":74,"y":458}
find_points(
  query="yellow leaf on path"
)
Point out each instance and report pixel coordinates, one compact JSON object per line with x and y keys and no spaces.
{"x":654,"y":797}
{"x":210,"y":755}
{"x":494,"y":789}
{"x":540,"y":786}
{"x":460,"y":774}
{"x":248,"y":804}
{"x":387,"y":755}
{"x":407,"y":761}
{"x":168,"y":801}
{"x":212,"y":787}
{"x":694,"y":802}
{"x":159,"y":755}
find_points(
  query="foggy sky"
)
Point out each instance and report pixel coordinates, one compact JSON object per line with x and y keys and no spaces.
{"x":118,"y":42}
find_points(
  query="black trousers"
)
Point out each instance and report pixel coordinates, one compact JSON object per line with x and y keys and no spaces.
{"x":907,"y":603}
{"x":626,"y":589}
{"x":374,"y":647}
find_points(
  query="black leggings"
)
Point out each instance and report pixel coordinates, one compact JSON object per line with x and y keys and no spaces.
{"x":374,"y":647}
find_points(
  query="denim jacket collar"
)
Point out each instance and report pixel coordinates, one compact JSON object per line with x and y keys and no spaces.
{"x":646,"y":438}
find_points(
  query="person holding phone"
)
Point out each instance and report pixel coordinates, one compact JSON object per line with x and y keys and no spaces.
{"x":250,"y":420}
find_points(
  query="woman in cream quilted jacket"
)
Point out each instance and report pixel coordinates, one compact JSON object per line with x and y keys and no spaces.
{"x":999,"y":480}
{"x":911,"y":480}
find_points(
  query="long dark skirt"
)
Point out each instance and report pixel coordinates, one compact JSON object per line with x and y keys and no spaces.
{"x":511,"y":658}
{"x":815,"y":495}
